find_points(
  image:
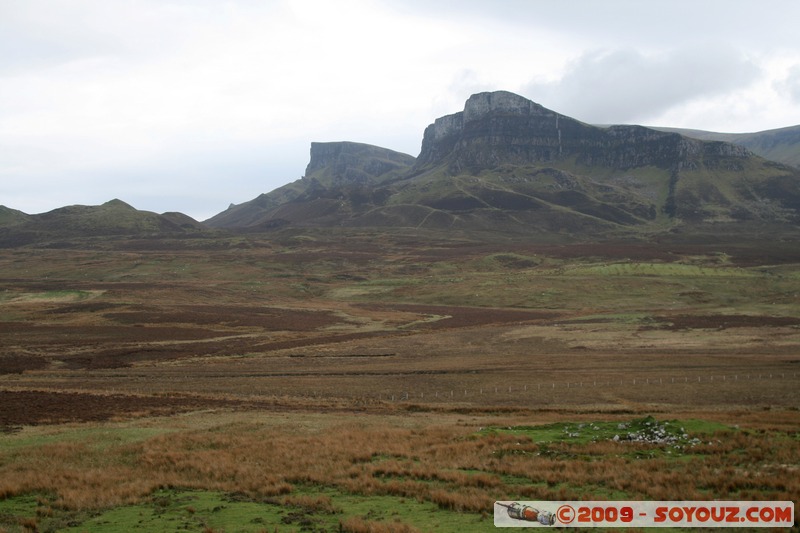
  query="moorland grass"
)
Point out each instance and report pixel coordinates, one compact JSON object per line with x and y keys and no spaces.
{"x":443,"y":473}
{"x":332,"y":453}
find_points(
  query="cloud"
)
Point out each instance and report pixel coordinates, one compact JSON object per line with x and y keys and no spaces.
{"x":626,"y":85}
{"x":143,"y":99}
{"x":790,"y":85}
{"x":101,"y":98}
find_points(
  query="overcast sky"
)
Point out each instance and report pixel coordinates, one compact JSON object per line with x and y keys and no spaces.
{"x":190,"y":105}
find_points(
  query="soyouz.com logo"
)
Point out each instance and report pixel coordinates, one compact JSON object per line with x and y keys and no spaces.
{"x":644,"y":514}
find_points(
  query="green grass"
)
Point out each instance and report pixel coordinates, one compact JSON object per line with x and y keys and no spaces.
{"x":14,"y":512}
{"x":674,"y":269}
{"x":305,"y":509}
{"x":95,"y":437}
{"x":175,"y":510}
{"x":674,"y":432}
{"x":60,"y":295}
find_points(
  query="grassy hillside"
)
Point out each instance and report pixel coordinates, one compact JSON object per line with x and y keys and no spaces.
{"x":11,"y":217}
{"x":510,"y":166}
{"x":336,"y":170}
{"x":80,"y":221}
{"x":782,"y":145}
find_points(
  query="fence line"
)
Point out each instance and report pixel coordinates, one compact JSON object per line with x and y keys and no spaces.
{"x":452,"y":393}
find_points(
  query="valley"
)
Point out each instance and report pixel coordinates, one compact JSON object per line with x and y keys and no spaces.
{"x":533,"y":308}
{"x":381,"y":354}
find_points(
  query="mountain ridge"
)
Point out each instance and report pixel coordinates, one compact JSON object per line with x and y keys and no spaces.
{"x":110,"y":219}
{"x":505,"y":163}
{"x":502,"y":164}
{"x":781,"y":144}
{"x":333,"y":166}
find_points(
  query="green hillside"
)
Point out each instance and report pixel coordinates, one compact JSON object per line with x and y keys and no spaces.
{"x":80,"y":221}
{"x":506,"y":164}
{"x":781,"y":145}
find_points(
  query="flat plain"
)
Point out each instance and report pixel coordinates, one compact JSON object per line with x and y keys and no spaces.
{"x":345,"y":380}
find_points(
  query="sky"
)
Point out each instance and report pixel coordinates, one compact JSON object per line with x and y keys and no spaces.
{"x":191,"y":105}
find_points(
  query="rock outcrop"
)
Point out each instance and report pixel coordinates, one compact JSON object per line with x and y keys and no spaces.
{"x":507,"y":164}
{"x":781,"y":145}
{"x":501,"y":127}
{"x":338,"y":174}
{"x":353,"y":163}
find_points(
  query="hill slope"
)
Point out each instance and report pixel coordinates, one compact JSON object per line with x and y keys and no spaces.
{"x":77,"y":221}
{"x":335,"y":169}
{"x":506,"y":163}
{"x":11,"y":217}
{"x":781,"y":145}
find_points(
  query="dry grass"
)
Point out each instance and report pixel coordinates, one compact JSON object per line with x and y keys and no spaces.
{"x":448,"y":465}
{"x":311,"y":504}
{"x":386,"y":399}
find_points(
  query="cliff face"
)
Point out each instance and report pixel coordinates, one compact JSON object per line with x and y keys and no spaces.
{"x":502,"y":127}
{"x":497,"y":127}
{"x":781,"y":145}
{"x":507,"y":164}
{"x":340,"y":177}
{"x":353,"y":163}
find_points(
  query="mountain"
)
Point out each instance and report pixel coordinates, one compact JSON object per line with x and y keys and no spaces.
{"x":781,"y":145}
{"x":336,"y":170}
{"x":11,"y":217}
{"x":506,"y":163}
{"x":77,"y":221}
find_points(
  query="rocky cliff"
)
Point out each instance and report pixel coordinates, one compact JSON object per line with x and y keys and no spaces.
{"x":338,"y":174}
{"x":501,"y":127}
{"x":353,"y":163}
{"x":505,"y":163}
{"x":781,"y":145}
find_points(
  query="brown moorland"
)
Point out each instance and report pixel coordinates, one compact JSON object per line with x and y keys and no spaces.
{"x":283,"y":367}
